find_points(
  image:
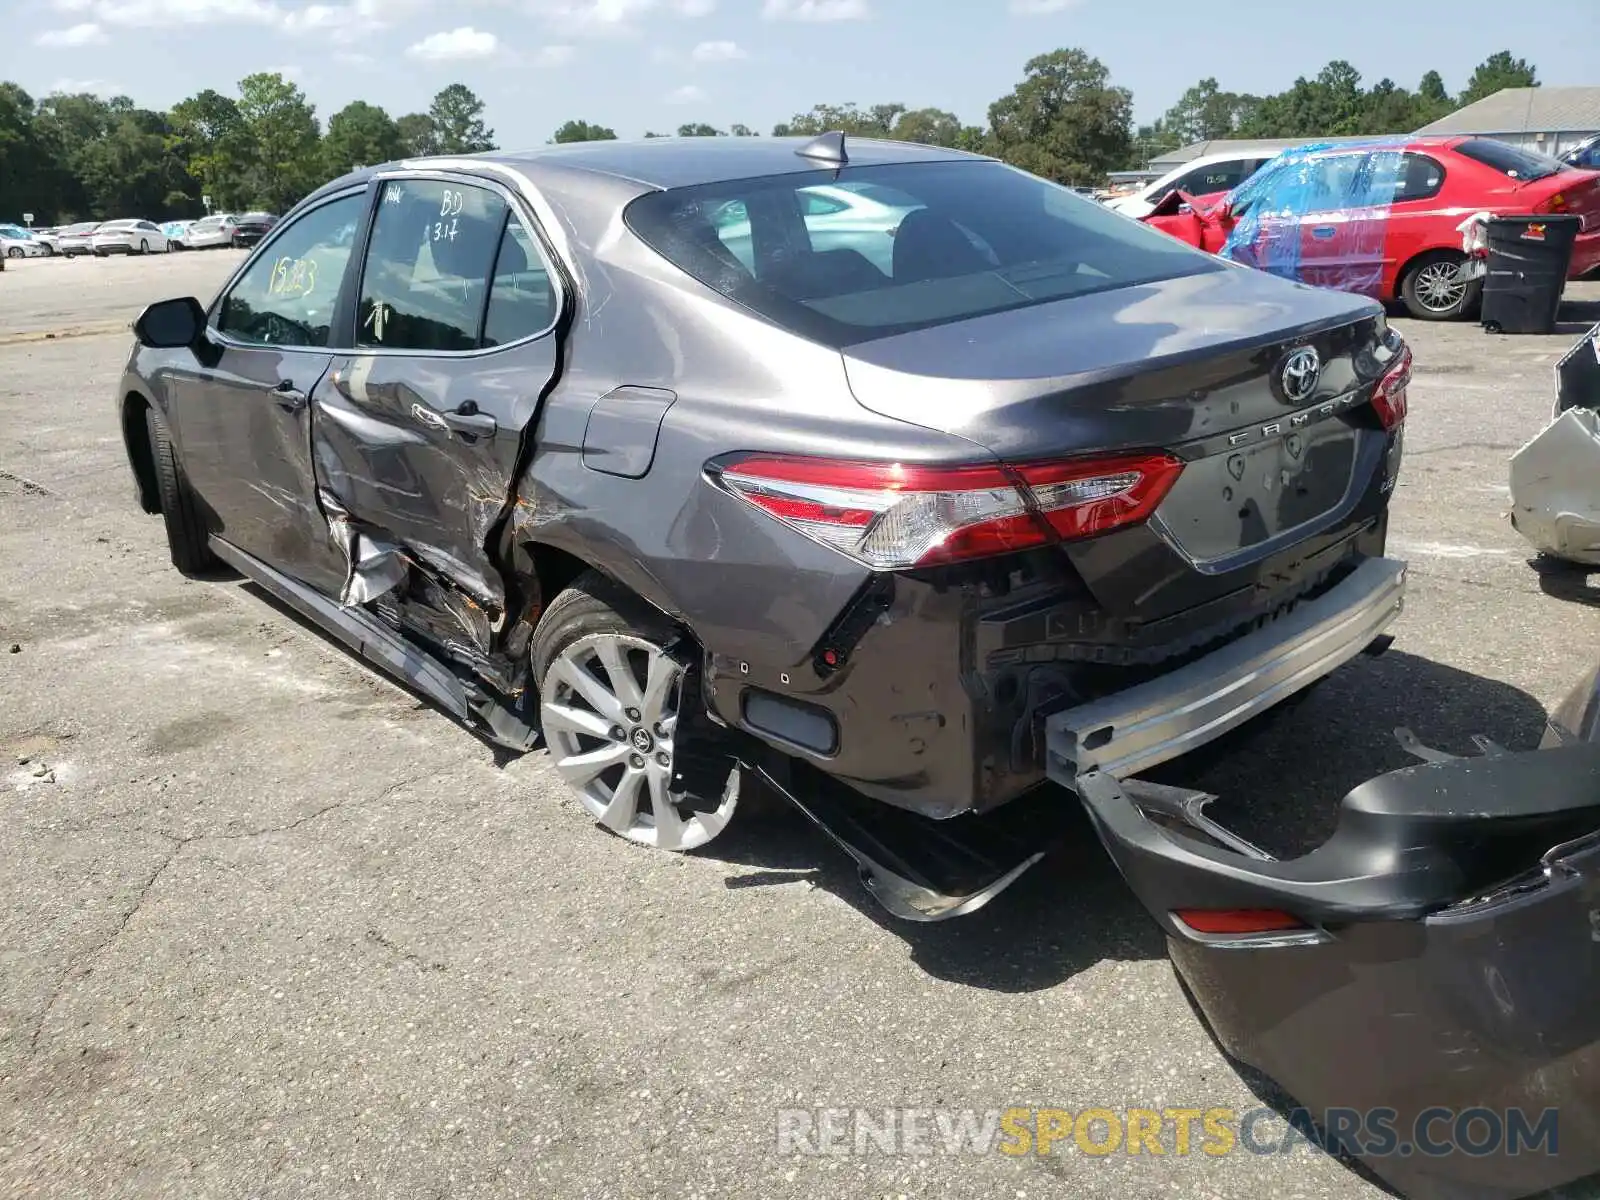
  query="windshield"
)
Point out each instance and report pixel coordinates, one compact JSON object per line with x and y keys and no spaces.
{"x":1509,"y":160}
{"x":979,"y":238}
{"x":82,"y":227}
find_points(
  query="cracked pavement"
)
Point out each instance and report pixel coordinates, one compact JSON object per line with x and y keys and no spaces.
{"x":270,"y":927}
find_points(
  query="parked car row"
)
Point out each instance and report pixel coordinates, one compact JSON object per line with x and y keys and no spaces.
{"x":135,"y":236}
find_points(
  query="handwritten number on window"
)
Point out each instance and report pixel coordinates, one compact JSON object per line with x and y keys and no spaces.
{"x":292,"y":277}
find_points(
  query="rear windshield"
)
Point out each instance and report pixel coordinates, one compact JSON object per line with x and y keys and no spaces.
{"x":1509,"y":160}
{"x":962,"y":239}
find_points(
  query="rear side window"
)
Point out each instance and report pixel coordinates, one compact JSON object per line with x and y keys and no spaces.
{"x":969,"y":238}
{"x":1420,"y":178}
{"x":1511,"y":161}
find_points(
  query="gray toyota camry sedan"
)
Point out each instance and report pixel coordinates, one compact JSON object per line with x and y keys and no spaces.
{"x":895,"y":475}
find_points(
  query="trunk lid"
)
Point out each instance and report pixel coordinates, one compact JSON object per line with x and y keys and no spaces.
{"x":1198,"y":366}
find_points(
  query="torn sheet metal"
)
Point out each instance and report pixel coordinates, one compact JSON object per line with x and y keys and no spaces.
{"x":374,"y":567}
{"x":1555,"y":488}
{"x":1319,"y":213}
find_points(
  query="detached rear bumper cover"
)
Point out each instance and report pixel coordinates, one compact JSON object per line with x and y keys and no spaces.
{"x":1136,"y":729}
{"x":1448,"y":959}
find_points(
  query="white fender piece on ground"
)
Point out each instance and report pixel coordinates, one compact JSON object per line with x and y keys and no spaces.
{"x":1555,"y":488}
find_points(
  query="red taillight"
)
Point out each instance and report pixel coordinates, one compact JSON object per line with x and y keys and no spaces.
{"x":1389,"y":394}
{"x":1237,"y":920}
{"x":1556,"y":203}
{"x":892,"y":516}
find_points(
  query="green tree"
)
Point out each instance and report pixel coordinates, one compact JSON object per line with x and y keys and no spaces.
{"x":457,"y":116}
{"x":1150,"y":141}
{"x":283,"y":127}
{"x":29,"y":174}
{"x":1202,"y":113}
{"x":1433,"y":101}
{"x":359,"y":135}
{"x":133,"y":171}
{"x":876,"y":121}
{"x":582,"y":131}
{"x":741,"y":131}
{"x":929,"y":126}
{"x":207,"y":133}
{"x":1064,"y":121}
{"x":699,"y":129}
{"x":418,"y":138}
{"x":1496,"y":72}
{"x":1389,"y":108}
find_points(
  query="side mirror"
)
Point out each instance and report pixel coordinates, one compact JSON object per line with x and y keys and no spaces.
{"x":171,"y":324}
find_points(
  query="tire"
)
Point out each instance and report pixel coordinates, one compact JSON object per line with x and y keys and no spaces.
{"x":610,"y":672}
{"x":14,"y":252}
{"x":144,"y":246}
{"x":1422,"y":289}
{"x":180,"y":509}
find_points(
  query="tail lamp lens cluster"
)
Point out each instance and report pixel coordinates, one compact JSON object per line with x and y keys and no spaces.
{"x":1389,"y":394}
{"x":892,"y":516}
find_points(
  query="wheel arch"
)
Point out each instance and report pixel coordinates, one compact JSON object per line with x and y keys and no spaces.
{"x":554,"y":567}
{"x":137,"y":440}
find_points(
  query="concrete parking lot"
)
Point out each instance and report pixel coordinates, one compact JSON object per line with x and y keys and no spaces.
{"x":271,"y":927}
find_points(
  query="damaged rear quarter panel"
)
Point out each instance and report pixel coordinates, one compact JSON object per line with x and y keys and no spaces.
{"x":749,"y":589}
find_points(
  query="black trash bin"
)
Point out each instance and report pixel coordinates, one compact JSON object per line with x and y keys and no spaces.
{"x":1527,"y":271}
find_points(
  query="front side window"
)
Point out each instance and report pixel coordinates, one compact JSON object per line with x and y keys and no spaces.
{"x":426,"y":279}
{"x":287,"y":296}
{"x":1218,"y":177}
{"x":976,"y":238}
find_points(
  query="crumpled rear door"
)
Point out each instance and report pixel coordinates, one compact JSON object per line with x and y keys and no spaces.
{"x":1426,"y":983}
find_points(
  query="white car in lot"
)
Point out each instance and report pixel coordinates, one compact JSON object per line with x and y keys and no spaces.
{"x":17,"y":242}
{"x":209,"y":232}
{"x":128,"y":237}
{"x":1198,"y":177}
{"x":858,"y":216}
{"x":74,"y":239}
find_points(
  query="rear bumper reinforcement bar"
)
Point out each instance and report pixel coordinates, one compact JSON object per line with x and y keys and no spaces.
{"x":1133,"y":730}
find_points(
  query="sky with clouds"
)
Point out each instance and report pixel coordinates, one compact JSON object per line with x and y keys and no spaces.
{"x":655,"y":64}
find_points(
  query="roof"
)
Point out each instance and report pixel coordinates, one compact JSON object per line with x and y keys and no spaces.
{"x":1195,"y":150}
{"x":684,"y":162}
{"x":1526,"y":110}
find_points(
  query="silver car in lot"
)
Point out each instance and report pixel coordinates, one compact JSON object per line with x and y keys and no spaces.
{"x":17,"y":242}
{"x":74,"y":239}
{"x":128,"y":237}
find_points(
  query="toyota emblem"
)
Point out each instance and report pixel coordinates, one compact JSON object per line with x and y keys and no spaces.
{"x":1300,"y":374}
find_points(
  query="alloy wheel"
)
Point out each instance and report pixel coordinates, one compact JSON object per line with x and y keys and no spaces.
{"x":609,"y":709}
{"x":1439,"y":286}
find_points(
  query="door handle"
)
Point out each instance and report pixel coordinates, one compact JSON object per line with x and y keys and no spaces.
{"x":468,"y":421}
{"x":289,"y":397}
